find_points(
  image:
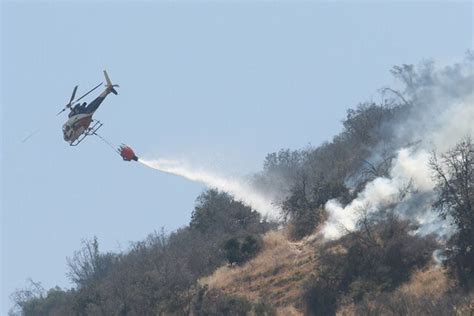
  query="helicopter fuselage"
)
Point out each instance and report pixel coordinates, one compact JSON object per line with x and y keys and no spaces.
{"x":79,"y":122}
{"x":78,"y":126}
{"x":75,"y":126}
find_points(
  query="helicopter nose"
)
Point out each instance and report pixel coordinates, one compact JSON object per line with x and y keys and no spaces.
{"x":67,"y":135}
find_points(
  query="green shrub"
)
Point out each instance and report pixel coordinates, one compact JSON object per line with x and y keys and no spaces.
{"x":240,"y":250}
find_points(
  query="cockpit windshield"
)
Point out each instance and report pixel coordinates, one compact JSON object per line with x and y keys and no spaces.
{"x":67,"y":131}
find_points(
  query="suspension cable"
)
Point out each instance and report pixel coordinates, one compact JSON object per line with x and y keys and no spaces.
{"x":114,"y":148}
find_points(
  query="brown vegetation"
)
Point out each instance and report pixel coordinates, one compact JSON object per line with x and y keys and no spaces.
{"x":275,"y":275}
{"x":430,"y":291}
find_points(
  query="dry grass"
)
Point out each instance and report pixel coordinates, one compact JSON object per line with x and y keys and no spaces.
{"x":275,"y":275}
{"x":427,"y":293}
{"x":288,"y":311}
{"x":432,"y":282}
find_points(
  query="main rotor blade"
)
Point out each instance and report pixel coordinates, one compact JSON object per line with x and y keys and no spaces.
{"x":88,"y":92}
{"x":73,"y":94}
{"x":75,"y":101}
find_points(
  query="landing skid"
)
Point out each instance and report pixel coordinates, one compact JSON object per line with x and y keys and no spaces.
{"x":88,"y":132}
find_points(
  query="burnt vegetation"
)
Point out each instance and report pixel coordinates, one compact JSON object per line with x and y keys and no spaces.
{"x":160,"y":274}
{"x":376,"y":258}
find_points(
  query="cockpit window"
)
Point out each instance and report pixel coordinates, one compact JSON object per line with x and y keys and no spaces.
{"x":67,"y":132}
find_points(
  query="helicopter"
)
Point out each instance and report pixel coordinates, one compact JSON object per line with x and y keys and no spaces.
{"x":80,"y":123}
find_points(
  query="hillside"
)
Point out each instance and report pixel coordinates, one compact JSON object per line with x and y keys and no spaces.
{"x":278,"y":276}
{"x":378,"y":221}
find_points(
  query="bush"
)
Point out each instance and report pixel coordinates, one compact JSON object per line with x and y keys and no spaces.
{"x":375,"y":259}
{"x":264,"y":308}
{"x":251,"y":245}
{"x":215,"y":302}
{"x":238,"y":250}
{"x":34,"y":300}
{"x":321,"y":297}
{"x":405,"y":304}
{"x":232,"y":251}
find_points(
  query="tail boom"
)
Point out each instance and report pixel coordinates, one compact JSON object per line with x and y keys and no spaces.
{"x":110,"y":86}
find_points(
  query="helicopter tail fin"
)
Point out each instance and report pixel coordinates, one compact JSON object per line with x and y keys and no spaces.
{"x":109,"y":84}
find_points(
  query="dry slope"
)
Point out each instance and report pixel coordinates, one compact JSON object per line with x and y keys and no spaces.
{"x":276,"y":275}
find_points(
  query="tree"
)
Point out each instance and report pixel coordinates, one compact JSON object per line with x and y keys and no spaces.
{"x":454,"y":174}
{"x":218,"y":214}
{"x":35,"y":300}
{"x":88,"y":265}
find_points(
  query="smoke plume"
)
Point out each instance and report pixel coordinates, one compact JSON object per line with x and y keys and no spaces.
{"x":442,"y":113}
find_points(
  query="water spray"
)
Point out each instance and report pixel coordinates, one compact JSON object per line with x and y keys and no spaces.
{"x":240,"y":188}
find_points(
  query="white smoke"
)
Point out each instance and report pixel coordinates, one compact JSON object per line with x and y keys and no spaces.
{"x":239,"y":187}
{"x":408,"y":169}
{"x":442,"y":114}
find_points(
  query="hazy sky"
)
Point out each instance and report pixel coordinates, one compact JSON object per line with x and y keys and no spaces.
{"x":218,"y":84}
